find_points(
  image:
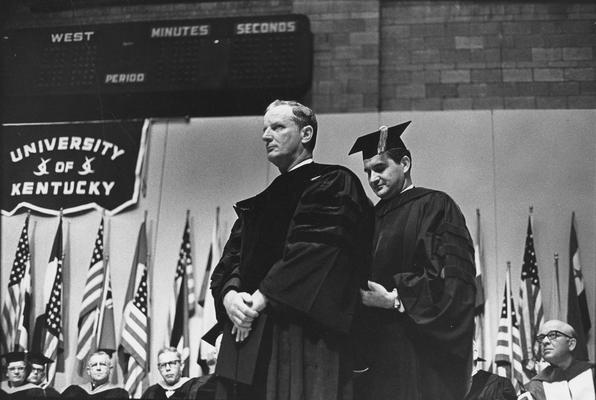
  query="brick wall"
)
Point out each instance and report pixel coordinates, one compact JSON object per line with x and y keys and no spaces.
{"x":415,"y":55}
{"x":483,"y":55}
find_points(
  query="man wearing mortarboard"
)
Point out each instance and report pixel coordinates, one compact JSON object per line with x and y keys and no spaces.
{"x":420,"y":300}
{"x":486,"y":385}
{"x":16,"y":385}
{"x":37,"y":376}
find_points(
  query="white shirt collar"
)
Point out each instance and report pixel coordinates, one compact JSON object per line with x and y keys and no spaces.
{"x":408,"y":188}
{"x":300,"y":164}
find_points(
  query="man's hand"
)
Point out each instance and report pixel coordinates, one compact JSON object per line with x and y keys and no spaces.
{"x":377,"y":296}
{"x":240,"y":333}
{"x":238,"y":308}
{"x":259,"y":301}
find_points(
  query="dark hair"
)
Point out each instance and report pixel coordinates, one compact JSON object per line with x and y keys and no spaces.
{"x":303,"y":116}
{"x":398,"y":153}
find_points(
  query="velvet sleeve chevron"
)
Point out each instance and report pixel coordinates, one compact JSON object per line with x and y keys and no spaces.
{"x":326,"y":253}
{"x":439,"y":295}
{"x":226,"y":274}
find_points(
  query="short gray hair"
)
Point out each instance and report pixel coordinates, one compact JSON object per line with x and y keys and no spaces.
{"x":170,"y":349}
{"x":303,"y":116}
{"x":100,"y":353}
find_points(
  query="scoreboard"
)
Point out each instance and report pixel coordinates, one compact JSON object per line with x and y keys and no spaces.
{"x":154,"y":69}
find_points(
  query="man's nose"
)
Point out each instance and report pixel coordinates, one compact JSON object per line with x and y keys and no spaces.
{"x":266,"y":134}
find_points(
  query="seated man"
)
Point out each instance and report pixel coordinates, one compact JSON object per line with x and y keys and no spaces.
{"x":16,"y":385}
{"x":488,"y":386}
{"x":565,"y":378}
{"x":173,"y":385}
{"x":99,"y":367}
{"x":37,"y":376}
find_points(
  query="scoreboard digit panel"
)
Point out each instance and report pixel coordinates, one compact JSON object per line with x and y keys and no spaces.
{"x":83,"y":65}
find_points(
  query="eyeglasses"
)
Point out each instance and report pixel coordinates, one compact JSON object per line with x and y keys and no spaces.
{"x":552,"y":335}
{"x":170,"y":364}
{"x":38,"y":369}
{"x":15,"y":369}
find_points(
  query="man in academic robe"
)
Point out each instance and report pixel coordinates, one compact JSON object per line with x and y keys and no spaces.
{"x":16,"y":385}
{"x":286,"y":287}
{"x":174,"y":385}
{"x":418,"y":323}
{"x":488,"y":386}
{"x":37,"y":376}
{"x":99,"y":367}
{"x":565,"y":378}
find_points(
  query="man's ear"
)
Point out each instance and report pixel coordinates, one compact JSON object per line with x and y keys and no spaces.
{"x":572,"y":343}
{"x":306,"y":133}
{"x":406,"y":163}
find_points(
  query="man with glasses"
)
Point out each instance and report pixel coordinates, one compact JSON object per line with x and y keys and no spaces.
{"x":174,"y":385}
{"x":16,"y":385}
{"x":565,"y":378}
{"x":99,"y":366}
{"x":37,"y":376}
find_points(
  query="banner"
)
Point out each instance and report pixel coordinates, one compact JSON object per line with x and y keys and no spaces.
{"x":74,"y":167}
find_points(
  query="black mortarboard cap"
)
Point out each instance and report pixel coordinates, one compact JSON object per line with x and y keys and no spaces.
{"x":14,"y":356}
{"x":211,"y":335}
{"x":384,"y":139}
{"x":37,"y":358}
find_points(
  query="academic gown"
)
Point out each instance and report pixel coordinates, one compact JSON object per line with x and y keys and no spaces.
{"x":84,"y":392}
{"x":200,"y":388}
{"x":26,"y":391}
{"x":487,"y":386}
{"x":578,"y":382}
{"x":304,"y":243}
{"x":50,"y":392}
{"x":421,"y":246}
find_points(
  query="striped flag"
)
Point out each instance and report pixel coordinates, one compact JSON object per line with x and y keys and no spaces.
{"x":207,"y":350}
{"x":530,"y":307}
{"x":133,"y":351}
{"x":48,"y":326}
{"x":91,"y":302}
{"x":508,"y":354}
{"x":16,"y":308}
{"x":578,"y":314}
{"x":479,"y":308}
{"x":184,"y":298}
{"x":96,"y":306}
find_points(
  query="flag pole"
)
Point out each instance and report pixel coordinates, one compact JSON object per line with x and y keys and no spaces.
{"x":509,"y":318}
{"x":557,"y":288}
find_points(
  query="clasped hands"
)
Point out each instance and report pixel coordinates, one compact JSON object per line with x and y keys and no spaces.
{"x":242,"y":309}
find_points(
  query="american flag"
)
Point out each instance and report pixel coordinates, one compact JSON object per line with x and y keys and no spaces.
{"x":97,"y":300}
{"x":206,"y":350}
{"x":530,"y":307}
{"x":133,"y":351}
{"x":508,"y":354}
{"x":16,"y":310}
{"x":183,"y":302}
{"x":578,"y":314}
{"x":49,"y":324}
